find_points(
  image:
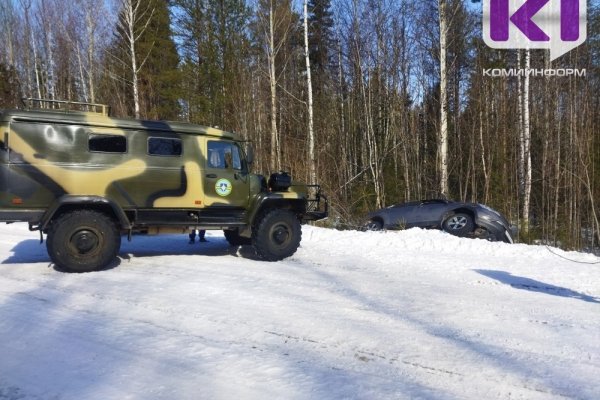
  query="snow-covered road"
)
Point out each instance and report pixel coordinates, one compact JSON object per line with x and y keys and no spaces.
{"x":362,"y":315}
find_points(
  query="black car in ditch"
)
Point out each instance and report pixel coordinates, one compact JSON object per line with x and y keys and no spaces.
{"x":460,"y":219}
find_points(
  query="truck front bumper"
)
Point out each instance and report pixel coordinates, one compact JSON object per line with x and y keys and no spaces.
{"x":317,"y":207}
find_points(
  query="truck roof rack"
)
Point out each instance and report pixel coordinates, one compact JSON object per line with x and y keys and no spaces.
{"x":65,"y":106}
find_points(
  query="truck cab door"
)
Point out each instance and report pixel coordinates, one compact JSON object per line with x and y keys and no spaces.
{"x":226,"y":179}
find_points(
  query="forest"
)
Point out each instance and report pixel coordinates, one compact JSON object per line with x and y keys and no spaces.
{"x":378,"y":101}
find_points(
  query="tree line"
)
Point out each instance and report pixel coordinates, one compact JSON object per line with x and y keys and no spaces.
{"x":378,"y":101}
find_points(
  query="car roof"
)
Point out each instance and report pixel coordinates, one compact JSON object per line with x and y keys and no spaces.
{"x":430,"y":201}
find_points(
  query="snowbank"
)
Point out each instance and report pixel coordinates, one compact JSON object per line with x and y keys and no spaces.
{"x":365,"y":315}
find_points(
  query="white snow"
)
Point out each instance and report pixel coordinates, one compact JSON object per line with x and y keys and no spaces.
{"x":352,"y":315}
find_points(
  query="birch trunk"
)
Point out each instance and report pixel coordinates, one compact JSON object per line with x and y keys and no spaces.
{"x":443,"y":135}
{"x":91,"y":33}
{"x":486,"y":175}
{"x":44,"y":13}
{"x":130,"y":21}
{"x":521,"y":160}
{"x":275,"y":148}
{"x":29,"y":29}
{"x":526,"y":147}
{"x":311,"y":135}
{"x":345,"y":144}
{"x":135,"y":23}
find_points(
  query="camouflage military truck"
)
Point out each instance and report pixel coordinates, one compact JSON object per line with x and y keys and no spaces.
{"x":85,"y":179}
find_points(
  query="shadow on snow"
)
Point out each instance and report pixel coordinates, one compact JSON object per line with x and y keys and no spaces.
{"x":32,"y":251}
{"x":519,"y":282}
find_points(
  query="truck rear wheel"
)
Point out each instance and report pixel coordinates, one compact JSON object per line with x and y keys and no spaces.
{"x":83,"y":241}
{"x":277,"y":235}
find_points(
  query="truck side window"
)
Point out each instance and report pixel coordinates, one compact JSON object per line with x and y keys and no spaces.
{"x":164,"y":146}
{"x":107,"y":143}
{"x":223,"y":155}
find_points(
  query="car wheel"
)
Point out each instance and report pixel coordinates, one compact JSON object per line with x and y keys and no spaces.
{"x":233,"y":238}
{"x":83,"y":241}
{"x":459,"y":224}
{"x":277,"y":235}
{"x":373,"y":226}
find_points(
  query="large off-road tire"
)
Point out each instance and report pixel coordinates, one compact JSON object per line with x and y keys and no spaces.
{"x":234,"y":238}
{"x":459,"y":224}
{"x":277,"y":235}
{"x":83,"y":241}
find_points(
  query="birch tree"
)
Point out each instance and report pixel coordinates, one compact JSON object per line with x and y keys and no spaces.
{"x":276,"y":24}
{"x":45,"y":14}
{"x":82,"y":30}
{"x":311,"y":133}
{"x":271,"y":54}
{"x":134,"y":20}
{"x":30,"y":55}
{"x":443,"y":132}
{"x":525,"y":171}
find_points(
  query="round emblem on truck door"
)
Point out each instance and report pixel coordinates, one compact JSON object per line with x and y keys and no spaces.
{"x":223,"y":187}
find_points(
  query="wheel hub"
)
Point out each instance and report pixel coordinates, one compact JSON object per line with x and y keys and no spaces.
{"x":457,"y":223}
{"x":280,"y":235}
{"x":84,"y":241}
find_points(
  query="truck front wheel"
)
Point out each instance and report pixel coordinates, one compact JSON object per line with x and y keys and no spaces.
{"x":83,"y":241}
{"x":277,"y":235}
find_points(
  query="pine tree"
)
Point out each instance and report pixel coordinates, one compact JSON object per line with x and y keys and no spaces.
{"x":321,"y":43}
{"x":160,"y":79}
{"x":215,"y":47}
{"x":321,"y":100}
{"x":143,"y":62}
{"x":191,"y":28}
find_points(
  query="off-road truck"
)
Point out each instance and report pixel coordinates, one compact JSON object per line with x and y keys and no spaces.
{"x":85,"y":179}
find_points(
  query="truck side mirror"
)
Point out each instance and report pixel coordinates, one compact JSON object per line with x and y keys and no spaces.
{"x":249,"y":153}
